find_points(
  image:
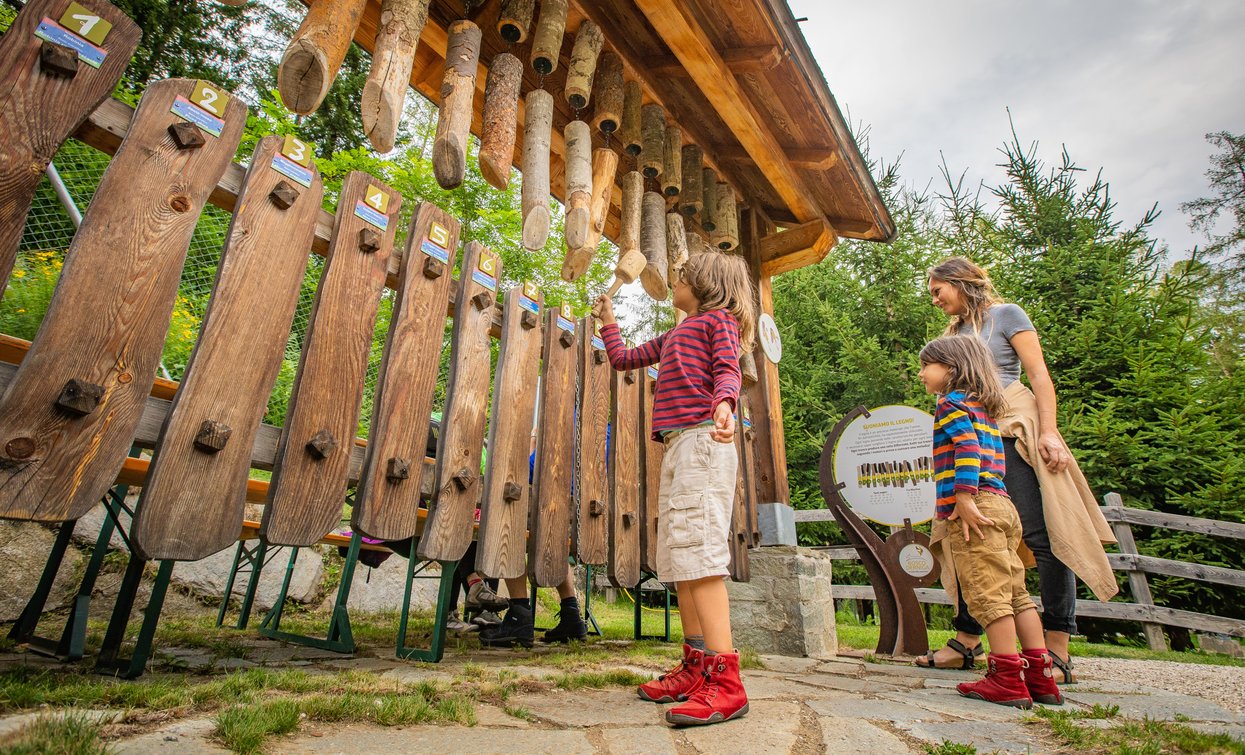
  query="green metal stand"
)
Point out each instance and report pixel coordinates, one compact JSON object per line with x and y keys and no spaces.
{"x":436,"y":650}
{"x":251,"y":560}
{"x":133,"y":667}
{"x":639,"y":612}
{"x":339,"y":638}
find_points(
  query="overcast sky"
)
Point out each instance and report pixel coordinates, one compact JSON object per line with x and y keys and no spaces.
{"x":1131,"y":86}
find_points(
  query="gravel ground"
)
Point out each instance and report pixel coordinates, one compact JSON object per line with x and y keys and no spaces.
{"x":1224,"y":685}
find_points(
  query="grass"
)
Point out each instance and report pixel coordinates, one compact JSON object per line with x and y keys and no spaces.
{"x":950,"y":748}
{"x":1132,"y":736}
{"x":600,"y":679}
{"x":71,"y":734}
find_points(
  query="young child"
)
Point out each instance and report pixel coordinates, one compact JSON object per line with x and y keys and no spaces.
{"x":693,"y":414}
{"x":979,"y":557}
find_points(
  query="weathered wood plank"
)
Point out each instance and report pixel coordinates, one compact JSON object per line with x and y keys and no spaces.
{"x":1138,"y":585}
{"x":651,"y":454}
{"x":502,"y":549}
{"x":191,"y":505}
{"x":387,"y":501}
{"x":1118,"y":513}
{"x":737,"y":537}
{"x":309,"y":482}
{"x":624,"y":552}
{"x":749,"y":472}
{"x":550,"y":520}
{"x":40,"y":107}
{"x":451,"y":514}
{"x":591,"y":480}
{"x":1152,"y":565}
{"x":120,"y":276}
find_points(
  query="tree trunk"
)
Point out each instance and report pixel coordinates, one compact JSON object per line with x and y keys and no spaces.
{"x":547,"y":42}
{"x":578,"y":165}
{"x":653,"y":245}
{"x":604,"y":168}
{"x":632,"y":136}
{"x":583,"y":66}
{"x":515,"y":17}
{"x":537,"y":128}
{"x":691,"y":199}
{"x":676,"y":245}
{"x":672,"y":162}
{"x":709,"y":213}
{"x":449,"y":151}
{"x":653,"y":125}
{"x":726,"y":233}
{"x":608,"y":93}
{"x":316,"y":51}
{"x":384,"y":94}
{"x":632,"y":196}
{"x":501,"y":108}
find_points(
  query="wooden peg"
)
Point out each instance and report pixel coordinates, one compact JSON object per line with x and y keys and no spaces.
{"x":58,"y":60}
{"x":596,"y":508}
{"x":212,"y":436}
{"x":547,"y":42}
{"x":79,"y":398}
{"x":516,"y":16}
{"x":748,"y":368}
{"x":632,"y":199}
{"x":653,"y":125}
{"x":629,"y":519}
{"x":691,"y":199}
{"x":186,"y":135}
{"x":283,"y":195}
{"x":632,"y":128}
{"x":463,"y":478}
{"x":530,"y":320}
{"x":433,"y":268}
{"x":583,"y":65}
{"x":653,"y":246}
{"x":482,"y":300}
{"x":500,"y":118}
{"x":578,"y":167}
{"x":393,"y":55}
{"x":511,"y":492}
{"x":449,"y":151}
{"x":672,"y":162}
{"x":397,"y":469}
{"x":629,"y":376}
{"x":322,"y":444}
{"x":709,"y":212}
{"x":535,"y":200}
{"x":607,"y":93}
{"x":369,"y":240}
{"x":316,"y":52}
{"x":598,"y":356}
{"x":567,"y":339}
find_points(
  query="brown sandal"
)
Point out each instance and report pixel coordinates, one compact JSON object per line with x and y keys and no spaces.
{"x":1065,"y":667}
{"x":968,"y":658}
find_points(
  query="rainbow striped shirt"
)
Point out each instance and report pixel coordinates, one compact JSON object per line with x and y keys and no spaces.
{"x":968,"y":451}
{"x":699,"y":368}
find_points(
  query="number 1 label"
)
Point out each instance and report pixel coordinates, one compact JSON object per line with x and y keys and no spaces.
{"x":85,"y":24}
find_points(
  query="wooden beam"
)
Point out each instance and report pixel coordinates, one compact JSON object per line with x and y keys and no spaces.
{"x":807,"y":159}
{"x":804,"y":244}
{"x":740,"y":60}
{"x":672,"y":21}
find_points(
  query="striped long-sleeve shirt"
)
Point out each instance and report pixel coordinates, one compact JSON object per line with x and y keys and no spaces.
{"x":968,"y":451}
{"x":699,"y":368}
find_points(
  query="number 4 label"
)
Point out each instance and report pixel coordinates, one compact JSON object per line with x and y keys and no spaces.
{"x":378,"y":200}
{"x":85,"y":23}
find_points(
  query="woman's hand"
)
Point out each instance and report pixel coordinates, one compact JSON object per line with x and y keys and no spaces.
{"x":1054,"y":451}
{"x":603,"y":310}
{"x":723,"y":423}
{"x":969,"y":515}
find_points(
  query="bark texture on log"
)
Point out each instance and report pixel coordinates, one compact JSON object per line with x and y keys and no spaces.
{"x":604,"y":168}
{"x":607,"y":95}
{"x":515,"y":17}
{"x":632,"y":133}
{"x":578,"y":165}
{"x":726,"y":234}
{"x":583,"y":65}
{"x":316,"y":51}
{"x":632,"y":197}
{"x":676,"y":245}
{"x":709,"y":212}
{"x":384,"y":94}
{"x":501,"y":110}
{"x":537,"y":130}
{"x":547,"y":42}
{"x":653,"y":245}
{"x":672,"y":162}
{"x":462,"y":58}
{"x":653,"y":125}
{"x":691,"y":198}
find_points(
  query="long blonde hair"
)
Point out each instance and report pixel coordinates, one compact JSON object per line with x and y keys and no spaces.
{"x":971,"y":368}
{"x":974,"y":286}
{"x":721,"y":281}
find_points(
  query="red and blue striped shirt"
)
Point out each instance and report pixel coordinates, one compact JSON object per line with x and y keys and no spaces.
{"x":699,"y":368}
{"x":968,"y":451}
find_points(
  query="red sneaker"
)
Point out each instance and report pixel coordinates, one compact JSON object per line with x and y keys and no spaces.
{"x":681,"y":681}
{"x":1004,"y":683}
{"x":720,"y":698}
{"x":1040,"y":678}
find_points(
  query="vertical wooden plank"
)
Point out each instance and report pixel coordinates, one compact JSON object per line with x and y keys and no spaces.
{"x":387,"y":500}
{"x":109,"y":315}
{"x":749,"y":471}
{"x":651,"y":452}
{"x":192,"y":502}
{"x":309,"y":476}
{"x":451,"y":513}
{"x":41,"y":104}
{"x":550,"y":520}
{"x":1138,"y":583}
{"x":743,"y":515}
{"x":624,"y":556}
{"x":593,"y":420}
{"x":502,"y":550}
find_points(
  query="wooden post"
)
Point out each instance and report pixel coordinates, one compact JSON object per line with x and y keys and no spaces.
{"x":583,"y":65}
{"x":651,"y":453}
{"x":726,"y":227}
{"x":500,"y":119}
{"x":691,"y":198}
{"x":676,"y":245}
{"x":608,"y":93}
{"x":515,"y":17}
{"x":537,"y":129}
{"x":632,"y":132}
{"x":578,"y":165}
{"x":709,"y":211}
{"x":592,"y":524}
{"x":384,"y":94}
{"x":604,"y":168}
{"x":549,"y":524}
{"x":653,"y":246}
{"x":653,"y":126}
{"x":547,"y":42}
{"x":632,"y":199}
{"x":462,"y":57}
{"x":624,"y":469}
{"x":672,"y":162}
{"x":1138,"y":584}
{"x":316,"y":51}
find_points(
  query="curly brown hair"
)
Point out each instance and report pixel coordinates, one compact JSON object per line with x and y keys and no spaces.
{"x":972,"y":370}
{"x":974,"y":286}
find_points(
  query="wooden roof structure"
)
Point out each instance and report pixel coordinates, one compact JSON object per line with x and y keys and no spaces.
{"x":736,"y":76}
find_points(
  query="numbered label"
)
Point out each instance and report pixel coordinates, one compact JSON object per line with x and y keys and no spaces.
{"x":530,"y":297}
{"x":486,"y":271}
{"x":297,"y":150}
{"x":378,"y":200}
{"x":209,"y":98}
{"x":85,"y":23}
{"x":531,"y":290}
{"x":488,"y":264}
{"x":566,"y":311}
{"x":439,"y":235}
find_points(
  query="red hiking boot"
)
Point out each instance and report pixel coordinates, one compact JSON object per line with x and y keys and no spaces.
{"x":681,"y":681}
{"x":720,"y":698}
{"x":1004,"y":683}
{"x":1040,"y":678}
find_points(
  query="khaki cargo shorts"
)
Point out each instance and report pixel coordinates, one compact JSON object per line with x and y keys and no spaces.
{"x":694,"y":507}
{"x":989,"y":570}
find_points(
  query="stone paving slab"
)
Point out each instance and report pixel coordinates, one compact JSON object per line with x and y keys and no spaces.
{"x":492,"y":716}
{"x":186,"y":737}
{"x":650,"y":740}
{"x":986,"y":736}
{"x":591,"y":707}
{"x":949,"y":703}
{"x":848,"y":736}
{"x":440,"y":739}
{"x":769,"y":727}
{"x":1164,"y":706}
{"x":854,"y":707}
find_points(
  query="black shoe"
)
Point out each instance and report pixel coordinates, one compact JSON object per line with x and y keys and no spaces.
{"x":517,"y":628}
{"x":570,"y":626}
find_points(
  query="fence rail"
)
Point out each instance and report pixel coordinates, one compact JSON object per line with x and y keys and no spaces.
{"x":1135,"y":565}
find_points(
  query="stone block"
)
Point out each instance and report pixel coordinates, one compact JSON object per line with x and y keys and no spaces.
{"x":207,"y":577}
{"x":787,"y":608}
{"x":24,"y":548}
{"x":1220,"y":643}
{"x":777,"y":524}
{"x":379,"y":589}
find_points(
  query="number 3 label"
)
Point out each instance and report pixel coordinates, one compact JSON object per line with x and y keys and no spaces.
{"x":85,"y":24}
{"x":297,"y":150}
{"x":209,"y":98}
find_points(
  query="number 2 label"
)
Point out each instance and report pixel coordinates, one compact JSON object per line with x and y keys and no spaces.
{"x":85,"y":24}
{"x":209,"y":98}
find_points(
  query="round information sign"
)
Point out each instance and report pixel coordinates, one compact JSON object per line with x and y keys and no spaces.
{"x":916,"y":560}
{"x":767,"y":334}
{"x":885,"y":462}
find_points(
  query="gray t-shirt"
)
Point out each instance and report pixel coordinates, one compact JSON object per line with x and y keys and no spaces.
{"x":998,"y":325}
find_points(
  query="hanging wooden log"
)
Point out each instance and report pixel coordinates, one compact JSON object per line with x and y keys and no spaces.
{"x":676,"y":245}
{"x":449,"y":151}
{"x":604,"y":169}
{"x":691,"y":199}
{"x":384,"y":94}
{"x":652,"y":156}
{"x":709,"y":212}
{"x":632,"y":130}
{"x":591,"y":533}
{"x":607,"y":94}
{"x":501,"y":108}
{"x":583,"y":65}
{"x":632,"y":199}
{"x":672,"y":162}
{"x":537,"y":129}
{"x":726,"y":232}
{"x":577,"y":162}
{"x":316,"y":51}
{"x":547,"y":42}
{"x":653,"y":246}
{"x":516,"y":16}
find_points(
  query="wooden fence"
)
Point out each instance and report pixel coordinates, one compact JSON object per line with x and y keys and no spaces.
{"x":1137,"y":566}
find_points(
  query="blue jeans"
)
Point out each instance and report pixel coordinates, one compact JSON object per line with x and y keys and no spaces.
{"x":1056,"y":582}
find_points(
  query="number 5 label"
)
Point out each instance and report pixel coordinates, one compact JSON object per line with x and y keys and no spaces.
{"x":439,"y":235}
{"x":85,"y":24}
